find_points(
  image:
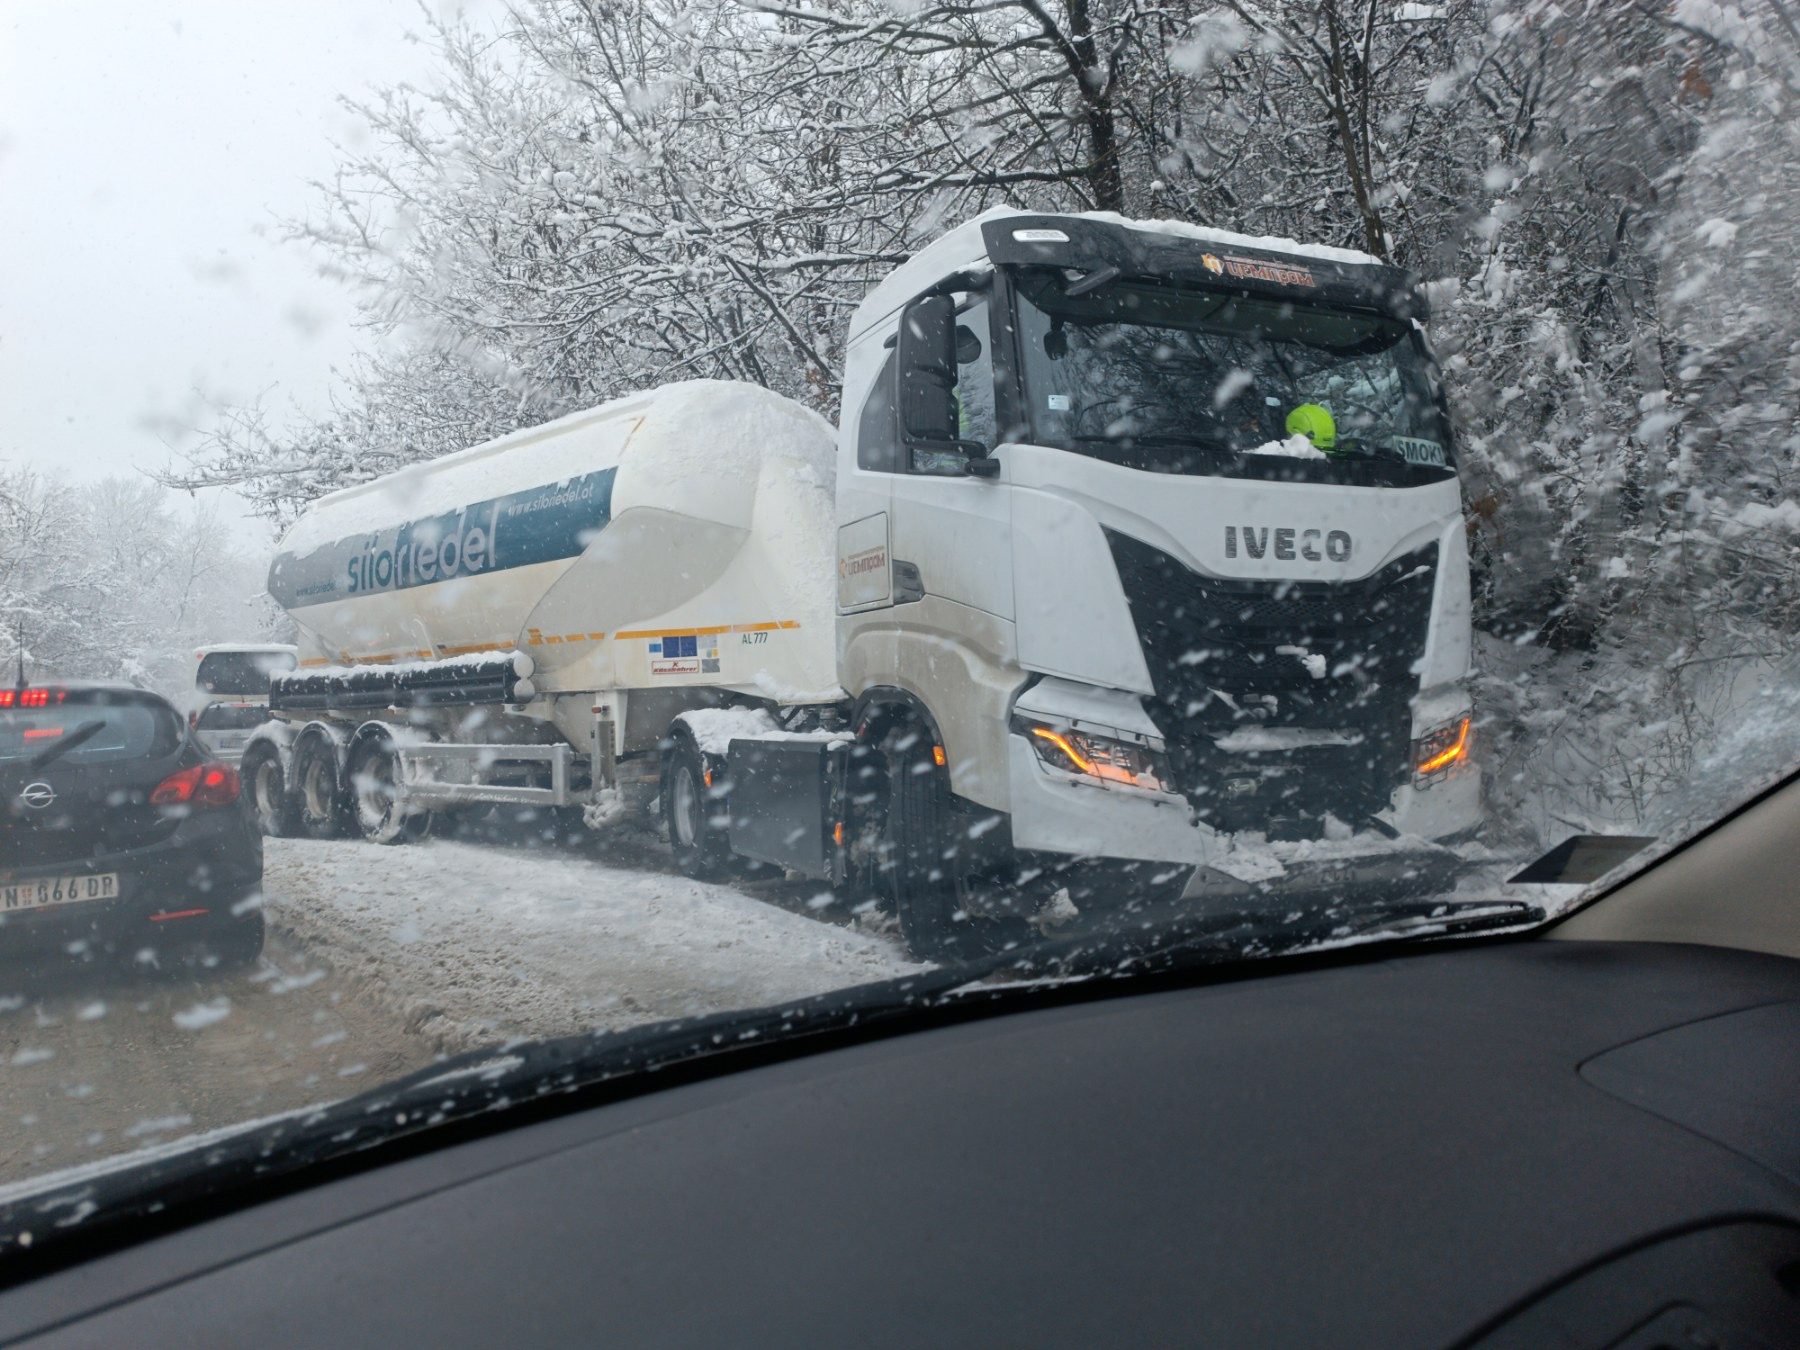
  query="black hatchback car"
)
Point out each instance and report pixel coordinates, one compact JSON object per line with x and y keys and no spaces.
{"x":118,"y":833}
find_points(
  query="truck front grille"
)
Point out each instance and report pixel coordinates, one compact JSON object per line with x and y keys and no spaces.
{"x":1283,"y":659}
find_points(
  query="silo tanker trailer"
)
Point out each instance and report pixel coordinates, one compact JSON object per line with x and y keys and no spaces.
{"x":1135,"y":573}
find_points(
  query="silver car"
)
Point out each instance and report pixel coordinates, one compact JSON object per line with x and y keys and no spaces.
{"x":225,"y":728}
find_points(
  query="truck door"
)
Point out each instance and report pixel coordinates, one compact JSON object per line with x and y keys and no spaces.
{"x":952,"y":527}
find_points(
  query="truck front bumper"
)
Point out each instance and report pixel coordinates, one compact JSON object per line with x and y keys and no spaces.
{"x":1058,"y":813}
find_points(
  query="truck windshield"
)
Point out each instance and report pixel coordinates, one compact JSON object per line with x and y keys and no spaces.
{"x":240,"y":672}
{"x":1183,"y":380}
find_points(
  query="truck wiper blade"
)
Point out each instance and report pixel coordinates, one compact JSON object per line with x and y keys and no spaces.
{"x":1160,"y":440}
{"x":80,"y":736}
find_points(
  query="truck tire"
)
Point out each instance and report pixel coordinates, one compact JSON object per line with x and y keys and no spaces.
{"x":382,"y":816}
{"x":701,"y":849}
{"x":931,"y":901}
{"x":270,"y":801}
{"x":321,"y":805}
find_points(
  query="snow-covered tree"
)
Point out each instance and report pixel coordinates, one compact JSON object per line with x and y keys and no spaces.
{"x":112,"y":580}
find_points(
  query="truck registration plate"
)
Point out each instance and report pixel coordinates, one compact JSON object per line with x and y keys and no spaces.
{"x":43,"y":892}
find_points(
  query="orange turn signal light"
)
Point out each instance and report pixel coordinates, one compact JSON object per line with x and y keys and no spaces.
{"x":1086,"y":763}
{"x":1444,"y":758}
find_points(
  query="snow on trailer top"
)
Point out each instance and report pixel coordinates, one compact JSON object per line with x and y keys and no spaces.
{"x":691,"y":430}
{"x":969,"y":247}
{"x":254,"y":648}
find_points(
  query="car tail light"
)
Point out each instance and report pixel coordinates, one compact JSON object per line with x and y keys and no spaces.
{"x":202,"y":785}
{"x":31,"y":698}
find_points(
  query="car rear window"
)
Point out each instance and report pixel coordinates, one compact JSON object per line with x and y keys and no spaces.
{"x":131,"y":726}
{"x":240,"y":672}
{"x":233,"y":716}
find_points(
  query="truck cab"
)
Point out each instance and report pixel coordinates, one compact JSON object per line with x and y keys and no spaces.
{"x":1152,"y":535}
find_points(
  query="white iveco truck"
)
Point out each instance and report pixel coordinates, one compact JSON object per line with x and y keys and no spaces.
{"x":1136,"y":573}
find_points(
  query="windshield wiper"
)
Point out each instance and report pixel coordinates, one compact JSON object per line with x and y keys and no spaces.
{"x":1135,"y":441}
{"x":244,"y":1167}
{"x":80,"y":736}
{"x":1277,"y":928}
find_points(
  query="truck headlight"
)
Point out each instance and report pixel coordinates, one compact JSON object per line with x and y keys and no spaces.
{"x":1108,"y":759}
{"x":1441,"y":749}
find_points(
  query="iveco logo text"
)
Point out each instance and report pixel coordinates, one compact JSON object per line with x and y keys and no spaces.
{"x":1289,"y":543}
{"x":37,"y":796}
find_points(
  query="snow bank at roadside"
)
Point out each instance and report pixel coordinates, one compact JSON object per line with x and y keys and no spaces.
{"x":470,"y":944}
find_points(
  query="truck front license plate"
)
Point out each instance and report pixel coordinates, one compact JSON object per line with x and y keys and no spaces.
{"x":44,"y":892}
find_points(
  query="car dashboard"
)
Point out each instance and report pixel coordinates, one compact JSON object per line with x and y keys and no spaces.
{"x":1519,"y":1142}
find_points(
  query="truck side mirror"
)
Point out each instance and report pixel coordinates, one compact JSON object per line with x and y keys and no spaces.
{"x":927,"y":353}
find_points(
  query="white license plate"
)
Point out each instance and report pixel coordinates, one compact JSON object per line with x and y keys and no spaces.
{"x":47,"y":891}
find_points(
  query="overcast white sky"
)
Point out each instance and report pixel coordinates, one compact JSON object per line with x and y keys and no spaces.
{"x":146,"y":147}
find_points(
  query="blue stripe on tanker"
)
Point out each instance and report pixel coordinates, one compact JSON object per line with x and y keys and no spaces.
{"x":537,"y":525}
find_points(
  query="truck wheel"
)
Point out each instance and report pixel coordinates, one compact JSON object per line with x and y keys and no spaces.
{"x":931,"y":904}
{"x":274,"y":807}
{"x":322,"y":807}
{"x":700,"y":847}
{"x":382,"y":815}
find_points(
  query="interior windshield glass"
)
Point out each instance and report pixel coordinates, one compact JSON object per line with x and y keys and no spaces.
{"x":1134,"y":370}
{"x":578,"y":515}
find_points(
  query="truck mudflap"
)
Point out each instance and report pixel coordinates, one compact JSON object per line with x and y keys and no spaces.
{"x":787,"y":801}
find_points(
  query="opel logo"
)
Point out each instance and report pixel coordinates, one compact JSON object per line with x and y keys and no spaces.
{"x":37,"y":796}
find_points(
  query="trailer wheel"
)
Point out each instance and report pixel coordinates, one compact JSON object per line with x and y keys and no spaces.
{"x":700,"y":847}
{"x":322,"y":806}
{"x":932,"y":900}
{"x":375,"y":795}
{"x":273,"y":805}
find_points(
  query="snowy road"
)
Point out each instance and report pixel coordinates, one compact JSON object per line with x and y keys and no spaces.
{"x":380,"y":959}
{"x":95,"y":1063}
{"x":468,"y":942}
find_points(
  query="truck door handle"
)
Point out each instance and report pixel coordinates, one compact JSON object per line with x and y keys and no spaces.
{"x":909,"y":586}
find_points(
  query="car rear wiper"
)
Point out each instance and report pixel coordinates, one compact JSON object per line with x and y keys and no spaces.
{"x":80,"y":736}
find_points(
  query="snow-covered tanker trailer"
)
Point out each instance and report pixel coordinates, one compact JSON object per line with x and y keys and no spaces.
{"x":524,"y":622}
{"x":1137,"y":574}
